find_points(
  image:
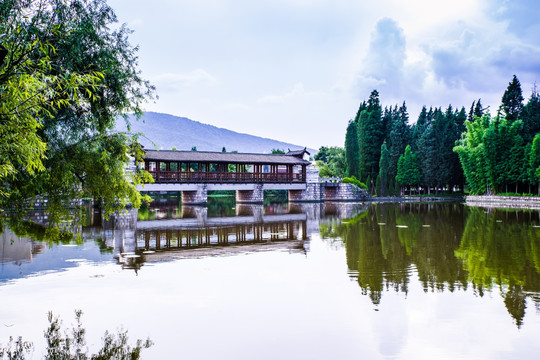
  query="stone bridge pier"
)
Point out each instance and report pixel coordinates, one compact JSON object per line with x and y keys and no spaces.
{"x":198,"y":196}
{"x":254,"y":196}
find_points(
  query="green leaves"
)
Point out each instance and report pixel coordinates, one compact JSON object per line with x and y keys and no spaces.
{"x":65,"y":81}
{"x":408,"y":172}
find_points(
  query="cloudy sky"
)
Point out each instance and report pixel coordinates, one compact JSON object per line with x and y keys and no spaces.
{"x":296,"y":70}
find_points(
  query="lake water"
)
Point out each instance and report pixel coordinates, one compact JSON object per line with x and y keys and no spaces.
{"x":311,"y":281}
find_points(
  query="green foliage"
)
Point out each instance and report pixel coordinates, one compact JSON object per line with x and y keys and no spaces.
{"x":277,"y":151}
{"x":497,"y":250}
{"x":352,"y":151}
{"x":72,"y":345}
{"x":531,"y":116}
{"x":383,"y":179}
{"x":492,"y":154}
{"x":331,"y":161}
{"x":16,"y":349}
{"x":353,"y":180}
{"x":67,"y":78}
{"x":370,"y":138}
{"x":476,"y":111}
{"x":512,"y":100}
{"x":399,"y":138}
{"x":324,"y":170}
{"x":408,"y":173}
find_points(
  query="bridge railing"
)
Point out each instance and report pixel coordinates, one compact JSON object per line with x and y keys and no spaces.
{"x":225,"y":177}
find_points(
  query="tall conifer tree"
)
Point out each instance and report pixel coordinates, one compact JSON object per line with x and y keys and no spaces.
{"x":370,"y":138}
{"x":351,"y":149}
{"x":512,"y":100}
{"x":383,"y":179}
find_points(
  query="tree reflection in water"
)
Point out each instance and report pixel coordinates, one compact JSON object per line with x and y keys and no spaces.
{"x":448,"y":246}
{"x":502,"y":248}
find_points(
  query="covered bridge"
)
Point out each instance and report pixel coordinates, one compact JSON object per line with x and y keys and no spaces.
{"x":171,"y":166}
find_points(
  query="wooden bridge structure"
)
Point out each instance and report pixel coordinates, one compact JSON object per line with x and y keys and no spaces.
{"x":194,"y":173}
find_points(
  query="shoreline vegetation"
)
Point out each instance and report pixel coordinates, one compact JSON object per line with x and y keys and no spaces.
{"x":444,"y":150}
{"x":72,"y":344}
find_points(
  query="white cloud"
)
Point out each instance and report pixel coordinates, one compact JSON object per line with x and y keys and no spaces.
{"x":258,"y":63}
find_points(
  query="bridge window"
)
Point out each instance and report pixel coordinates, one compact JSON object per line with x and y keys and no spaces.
{"x":173,"y":166}
{"x":184,"y":166}
{"x":282,"y":169}
{"x":232,"y":167}
{"x":162,"y":166}
{"x":152,"y":166}
{"x":203,"y":168}
{"x":248,"y":168}
{"x":266,"y":168}
{"x":193,"y":167}
{"x":212,"y":167}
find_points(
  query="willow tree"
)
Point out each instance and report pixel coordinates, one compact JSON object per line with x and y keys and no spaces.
{"x":72,"y":77}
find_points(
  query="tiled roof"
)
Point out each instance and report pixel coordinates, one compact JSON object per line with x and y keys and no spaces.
{"x":223,"y":157}
{"x":298,"y":152}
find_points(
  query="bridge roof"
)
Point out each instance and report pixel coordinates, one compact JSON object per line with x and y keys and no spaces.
{"x":223,"y":157}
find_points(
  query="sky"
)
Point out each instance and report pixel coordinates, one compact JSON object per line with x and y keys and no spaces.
{"x":297,"y":70}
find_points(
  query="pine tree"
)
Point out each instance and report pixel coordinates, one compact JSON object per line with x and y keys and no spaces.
{"x":408,"y":173}
{"x":383,"y":179}
{"x":351,"y":149}
{"x":479,"y":111}
{"x":512,"y":100}
{"x":387,"y":120}
{"x":419,"y":128}
{"x":370,"y":138}
{"x":531,"y":116}
{"x":400,"y":137}
{"x":460,"y":118}
{"x":476,"y":111}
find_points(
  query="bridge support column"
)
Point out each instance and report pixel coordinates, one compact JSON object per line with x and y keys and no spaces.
{"x":251,"y":196}
{"x":197,"y":197}
{"x":312,"y":193}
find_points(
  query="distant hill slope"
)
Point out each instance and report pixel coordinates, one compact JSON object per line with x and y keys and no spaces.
{"x":168,"y":131}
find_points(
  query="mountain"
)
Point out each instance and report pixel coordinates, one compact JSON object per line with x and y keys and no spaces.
{"x":164,"y":131}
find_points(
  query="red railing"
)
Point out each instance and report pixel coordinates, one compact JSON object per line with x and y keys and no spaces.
{"x":226,"y":177}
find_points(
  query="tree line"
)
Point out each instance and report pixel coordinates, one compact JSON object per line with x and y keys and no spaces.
{"x":444,"y":150}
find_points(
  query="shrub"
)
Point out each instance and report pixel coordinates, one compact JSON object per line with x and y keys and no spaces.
{"x":72,"y":344}
{"x":353,"y":180}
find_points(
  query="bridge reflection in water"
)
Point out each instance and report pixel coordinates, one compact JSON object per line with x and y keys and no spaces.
{"x":194,"y":234}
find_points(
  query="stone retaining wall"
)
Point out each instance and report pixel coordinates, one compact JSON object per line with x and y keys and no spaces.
{"x":319,"y":192}
{"x":528,"y":202}
{"x":345,"y":192}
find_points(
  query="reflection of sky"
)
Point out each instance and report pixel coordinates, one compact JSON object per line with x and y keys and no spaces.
{"x":270,"y":305}
{"x":56,"y":258}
